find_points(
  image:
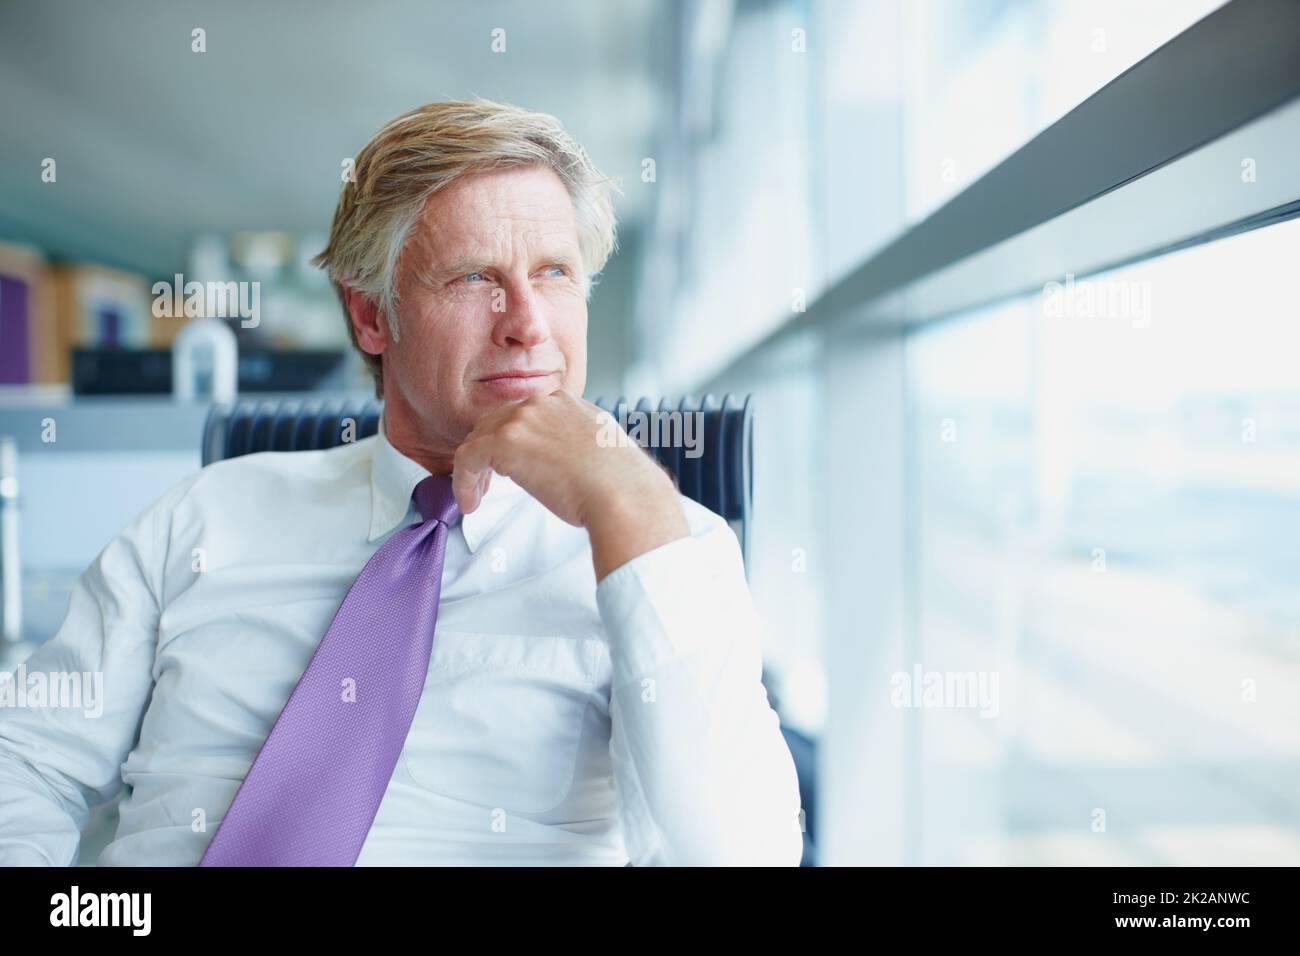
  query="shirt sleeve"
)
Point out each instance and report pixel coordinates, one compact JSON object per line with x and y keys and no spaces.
{"x":57,"y":761}
{"x":703,"y":774}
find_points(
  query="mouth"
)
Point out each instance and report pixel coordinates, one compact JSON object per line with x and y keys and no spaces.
{"x":518,"y":385}
{"x":516,"y":376}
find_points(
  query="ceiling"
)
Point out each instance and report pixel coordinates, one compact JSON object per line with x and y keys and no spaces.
{"x":156,"y":144}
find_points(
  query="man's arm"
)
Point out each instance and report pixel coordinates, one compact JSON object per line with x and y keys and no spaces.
{"x":56,"y":762}
{"x":703,"y":773}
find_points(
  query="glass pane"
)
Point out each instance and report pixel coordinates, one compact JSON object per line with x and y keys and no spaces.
{"x":982,"y":79}
{"x":1107,"y":540}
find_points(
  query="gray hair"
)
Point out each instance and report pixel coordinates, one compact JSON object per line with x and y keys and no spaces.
{"x":427,"y":149}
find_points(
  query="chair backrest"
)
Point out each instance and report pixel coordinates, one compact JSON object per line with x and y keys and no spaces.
{"x":706,"y":444}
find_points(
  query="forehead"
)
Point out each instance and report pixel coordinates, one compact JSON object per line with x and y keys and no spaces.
{"x":483,"y":211}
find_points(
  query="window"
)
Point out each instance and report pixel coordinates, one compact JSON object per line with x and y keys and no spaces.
{"x":1109,"y":521}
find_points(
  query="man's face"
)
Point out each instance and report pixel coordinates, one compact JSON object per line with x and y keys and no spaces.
{"x":490,"y":281}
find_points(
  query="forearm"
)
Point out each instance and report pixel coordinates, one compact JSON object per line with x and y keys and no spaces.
{"x":704,"y":775}
{"x":633,"y":522}
{"x":703,"y":782}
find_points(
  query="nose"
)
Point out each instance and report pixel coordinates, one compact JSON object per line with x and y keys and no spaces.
{"x":523,"y":319}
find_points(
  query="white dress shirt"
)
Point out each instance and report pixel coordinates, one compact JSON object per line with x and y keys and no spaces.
{"x":562,"y":722}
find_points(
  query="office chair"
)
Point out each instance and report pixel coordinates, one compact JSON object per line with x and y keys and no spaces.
{"x":706,"y":445}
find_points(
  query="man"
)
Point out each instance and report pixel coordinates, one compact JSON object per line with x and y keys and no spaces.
{"x":482,"y":636}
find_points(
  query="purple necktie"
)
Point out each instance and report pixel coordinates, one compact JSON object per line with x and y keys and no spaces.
{"x":314,"y":789}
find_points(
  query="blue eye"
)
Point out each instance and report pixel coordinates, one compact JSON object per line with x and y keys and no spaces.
{"x":473,"y":274}
{"x":560,"y":268}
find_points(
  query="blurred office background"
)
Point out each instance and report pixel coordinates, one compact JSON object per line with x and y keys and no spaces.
{"x":1010,"y":422}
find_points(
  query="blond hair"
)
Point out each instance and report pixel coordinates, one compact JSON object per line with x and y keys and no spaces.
{"x":425,"y":150}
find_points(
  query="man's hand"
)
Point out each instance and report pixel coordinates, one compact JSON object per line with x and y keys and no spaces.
{"x":550,"y":445}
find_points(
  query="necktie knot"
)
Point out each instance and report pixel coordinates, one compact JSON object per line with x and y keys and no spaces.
{"x":434,"y":499}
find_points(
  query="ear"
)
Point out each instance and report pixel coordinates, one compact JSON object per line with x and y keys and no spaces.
{"x":367,"y":321}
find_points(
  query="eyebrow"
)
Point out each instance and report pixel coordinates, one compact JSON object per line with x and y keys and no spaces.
{"x":467,"y":266}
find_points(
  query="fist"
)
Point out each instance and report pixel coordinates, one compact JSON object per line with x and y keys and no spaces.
{"x":550,"y":446}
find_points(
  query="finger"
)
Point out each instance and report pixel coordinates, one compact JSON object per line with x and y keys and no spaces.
{"x":470,"y":467}
{"x":489,"y":421}
{"x":480,"y":489}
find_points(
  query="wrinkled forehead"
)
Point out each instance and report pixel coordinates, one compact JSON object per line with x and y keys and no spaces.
{"x":487,"y":214}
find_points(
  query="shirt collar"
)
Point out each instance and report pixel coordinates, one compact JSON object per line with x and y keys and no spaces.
{"x":393,"y":478}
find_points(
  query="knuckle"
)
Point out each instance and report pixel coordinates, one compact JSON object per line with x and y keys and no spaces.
{"x":512,"y":431}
